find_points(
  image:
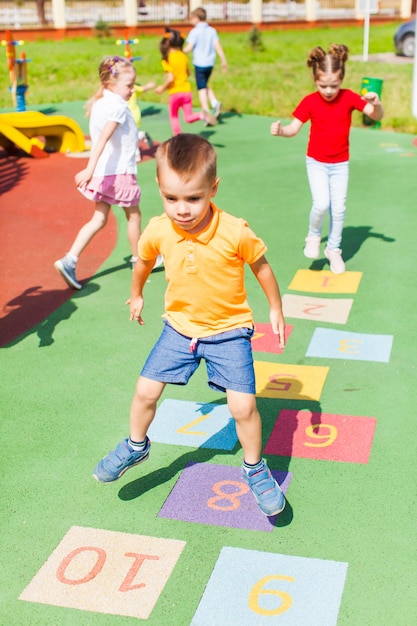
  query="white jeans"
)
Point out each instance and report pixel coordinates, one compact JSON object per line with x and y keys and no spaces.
{"x":328,"y":186}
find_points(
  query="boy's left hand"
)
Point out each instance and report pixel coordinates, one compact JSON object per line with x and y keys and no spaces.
{"x":278,"y":326}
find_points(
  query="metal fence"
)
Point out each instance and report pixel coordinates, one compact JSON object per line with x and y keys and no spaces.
{"x":23,"y":14}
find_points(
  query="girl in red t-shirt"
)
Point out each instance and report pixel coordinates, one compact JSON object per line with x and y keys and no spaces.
{"x":329,"y":110}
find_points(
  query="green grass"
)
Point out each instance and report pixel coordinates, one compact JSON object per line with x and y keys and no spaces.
{"x":270,"y":81}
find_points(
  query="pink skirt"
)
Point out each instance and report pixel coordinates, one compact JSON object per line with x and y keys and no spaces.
{"x":121,"y":189}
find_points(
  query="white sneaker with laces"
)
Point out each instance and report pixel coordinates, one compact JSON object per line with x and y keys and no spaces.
{"x":217,"y":109}
{"x":337,"y":265}
{"x":312,"y":246}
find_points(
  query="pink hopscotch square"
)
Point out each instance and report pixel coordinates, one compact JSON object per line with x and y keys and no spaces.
{"x":322,"y":436}
{"x":264,"y":339}
{"x":218,"y":495}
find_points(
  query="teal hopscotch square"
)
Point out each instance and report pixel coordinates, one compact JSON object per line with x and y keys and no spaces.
{"x":263,"y":589}
{"x":339,"y":344}
{"x":195,"y":424}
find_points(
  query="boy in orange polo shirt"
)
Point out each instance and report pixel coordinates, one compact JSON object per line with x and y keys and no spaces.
{"x":206,"y":312}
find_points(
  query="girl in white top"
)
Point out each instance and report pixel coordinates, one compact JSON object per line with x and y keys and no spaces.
{"x":110,"y":175}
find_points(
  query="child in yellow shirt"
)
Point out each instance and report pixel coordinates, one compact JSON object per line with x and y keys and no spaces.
{"x":206,"y":311}
{"x":175,"y":66}
{"x":136,"y":112}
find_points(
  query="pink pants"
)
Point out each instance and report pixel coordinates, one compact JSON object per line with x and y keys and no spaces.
{"x":177,"y":101}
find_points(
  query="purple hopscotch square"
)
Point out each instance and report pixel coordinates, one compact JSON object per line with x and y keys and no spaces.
{"x":218,"y":495}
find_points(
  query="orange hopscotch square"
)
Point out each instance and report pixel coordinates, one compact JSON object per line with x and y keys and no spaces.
{"x":291,"y":382}
{"x":325,"y":281}
{"x":105,"y":572}
{"x":264,"y":339}
{"x":322,"y":436}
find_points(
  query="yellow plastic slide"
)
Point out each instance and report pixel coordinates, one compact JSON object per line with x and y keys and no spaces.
{"x":37,"y":133}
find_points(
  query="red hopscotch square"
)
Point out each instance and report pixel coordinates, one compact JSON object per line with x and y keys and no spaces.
{"x":322,"y":436}
{"x":264,"y":339}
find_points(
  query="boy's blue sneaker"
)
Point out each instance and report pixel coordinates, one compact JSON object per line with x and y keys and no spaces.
{"x":68,"y":273}
{"x":265,"y":488}
{"x":119,"y":460}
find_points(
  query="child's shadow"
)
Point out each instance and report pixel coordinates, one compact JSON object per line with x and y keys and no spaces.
{"x":353,"y":238}
{"x":225,"y":115}
{"x":269,"y":410}
{"x":203,"y":454}
{"x":162,"y":475}
{"x":150,"y":110}
{"x":208,"y":134}
{"x":12,"y":170}
{"x":15,"y":324}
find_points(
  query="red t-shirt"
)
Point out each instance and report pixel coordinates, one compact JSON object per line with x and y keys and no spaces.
{"x":330,"y":124}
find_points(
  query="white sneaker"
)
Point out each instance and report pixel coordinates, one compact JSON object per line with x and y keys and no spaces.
{"x":145,"y":137}
{"x":217,"y":109}
{"x":337,"y":265}
{"x":312,"y":247}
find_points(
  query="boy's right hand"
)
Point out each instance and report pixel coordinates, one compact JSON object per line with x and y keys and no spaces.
{"x":136,"y":307}
{"x":276,"y":128}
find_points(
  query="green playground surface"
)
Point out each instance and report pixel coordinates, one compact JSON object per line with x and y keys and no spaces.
{"x":344,"y":550}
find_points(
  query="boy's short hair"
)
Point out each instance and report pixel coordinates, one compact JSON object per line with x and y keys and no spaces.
{"x":200,"y":13}
{"x":188,"y":154}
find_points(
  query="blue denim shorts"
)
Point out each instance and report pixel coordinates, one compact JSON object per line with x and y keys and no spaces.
{"x":228,"y":357}
{"x":202,"y":74}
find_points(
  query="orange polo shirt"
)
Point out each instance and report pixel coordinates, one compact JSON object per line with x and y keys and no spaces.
{"x":206,"y":292}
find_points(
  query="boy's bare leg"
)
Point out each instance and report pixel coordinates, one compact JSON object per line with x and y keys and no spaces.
{"x":203,"y":96}
{"x":130,"y":452}
{"x":248,"y":424}
{"x":255,"y":472}
{"x":143,"y":407}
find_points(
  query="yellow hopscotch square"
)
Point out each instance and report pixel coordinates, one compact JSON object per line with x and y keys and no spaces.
{"x":106,"y":572}
{"x":325,"y":281}
{"x":293,"y":382}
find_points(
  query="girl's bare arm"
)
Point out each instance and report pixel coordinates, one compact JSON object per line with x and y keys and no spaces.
{"x":85,"y":175}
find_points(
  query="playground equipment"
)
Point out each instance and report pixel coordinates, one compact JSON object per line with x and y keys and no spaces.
{"x":126,"y":42}
{"x":37,"y":134}
{"x":371,"y":84}
{"x":17,"y":71}
{"x":133,"y":100}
